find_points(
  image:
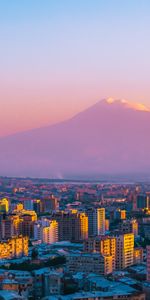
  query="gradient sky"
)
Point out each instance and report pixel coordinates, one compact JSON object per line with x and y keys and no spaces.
{"x":60,"y":56}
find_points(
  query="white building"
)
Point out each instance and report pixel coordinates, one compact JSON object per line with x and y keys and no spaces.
{"x":46,"y":230}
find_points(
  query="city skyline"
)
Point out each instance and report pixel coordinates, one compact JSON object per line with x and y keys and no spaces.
{"x":74,"y":240}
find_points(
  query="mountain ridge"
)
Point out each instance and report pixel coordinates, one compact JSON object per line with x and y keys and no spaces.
{"x":107,"y":101}
{"x":105,"y":138}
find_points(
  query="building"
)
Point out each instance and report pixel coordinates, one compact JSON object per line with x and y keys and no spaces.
{"x":53,"y":283}
{"x":4,"y":205}
{"x":122,"y":294}
{"x":14,"y":247}
{"x":96,"y":221}
{"x":133,"y":199}
{"x":17,"y":208}
{"x":38,"y":286}
{"x":50,"y":233}
{"x":72,"y":225}
{"x":28,"y":204}
{"x":18,"y":281}
{"x":144,"y":228}
{"x":129,"y":226}
{"x":46,"y":230}
{"x":37,"y":206}
{"x":120,"y":214}
{"x":27,"y":220}
{"x":90,"y":263}
{"x":5,"y":295}
{"x":106,"y":225}
{"x":138,"y":255}
{"x":125,"y":251}
{"x":104,"y":245}
{"x":50,"y":203}
{"x":143,"y":201}
{"x":27,"y":223}
{"x":101,"y":221}
{"x":20,"y":222}
{"x":10,"y":226}
{"x":148,"y":263}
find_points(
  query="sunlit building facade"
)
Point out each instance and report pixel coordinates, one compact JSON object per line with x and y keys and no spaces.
{"x":14,"y":247}
{"x":4,"y":205}
{"x":46,"y":231}
{"x":125,"y":251}
{"x":72,"y":225}
{"x":104,"y":245}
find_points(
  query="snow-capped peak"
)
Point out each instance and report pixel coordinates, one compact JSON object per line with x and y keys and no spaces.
{"x":127,"y":104}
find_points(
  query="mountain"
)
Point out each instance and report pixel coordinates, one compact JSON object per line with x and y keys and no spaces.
{"x":110,"y":137}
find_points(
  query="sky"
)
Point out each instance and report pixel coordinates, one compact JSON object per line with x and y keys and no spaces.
{"x":58,"y":57}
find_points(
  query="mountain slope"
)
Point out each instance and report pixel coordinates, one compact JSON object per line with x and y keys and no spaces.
{"x":109,"y":137}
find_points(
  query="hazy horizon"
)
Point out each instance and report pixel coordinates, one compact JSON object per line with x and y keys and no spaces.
{"x":110,"y":137}
{"x":133,"y":105}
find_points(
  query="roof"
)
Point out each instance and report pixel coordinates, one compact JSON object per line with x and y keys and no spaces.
{"x":41,"y":271}
{"x":119,"y":289}
{"x":10,"y":295}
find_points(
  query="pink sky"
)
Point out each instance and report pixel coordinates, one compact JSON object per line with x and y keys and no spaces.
{"x":27,"y":107}
{"x":60,"y":57}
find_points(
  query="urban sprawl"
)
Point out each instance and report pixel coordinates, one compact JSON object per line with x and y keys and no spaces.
{"x":65,"y":240}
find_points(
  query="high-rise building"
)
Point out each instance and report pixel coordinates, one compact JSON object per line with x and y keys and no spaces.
{"x":82,"y":226}
{"x":96,"y":221}
{"x":27,"y":223}
{"x":50,"y":233}
{"x":148,"y":263}
{"x":72,"y":225}
{"x":129,"y":226}
{"x":10,"y":226}
{"x":106,"y":225}
{"x":46,"y":230}
{"x":101,"y":221}
{"x":37,"y":206}
{"x":4,"y":205}
{"x":92,"y":221}
{"x":120,"y":214}
{"x":105,"y":245}
{"x":134,"y":201}
{"x":125,"y":251}
{"x":14,"y":247}
{"x":50,"y":203}
{"x":28,"y":204}
{"x":143,"y":201}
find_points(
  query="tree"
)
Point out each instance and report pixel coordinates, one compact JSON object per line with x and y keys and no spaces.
{"x":34,"y":253}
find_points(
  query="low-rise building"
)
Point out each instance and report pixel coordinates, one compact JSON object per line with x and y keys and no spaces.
{"x":87,"y":262}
